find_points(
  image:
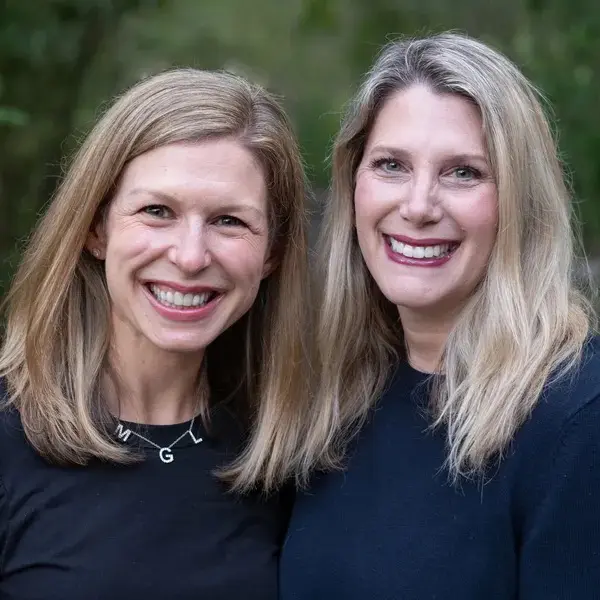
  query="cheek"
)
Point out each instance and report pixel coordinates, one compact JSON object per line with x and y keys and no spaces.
{"x":128,"y":251}
{"x":374,"y":200}
{"x":243,"y":259}
{"x":127,"y":243}
{"x":478,"y":217}
{"x":364,"y":201}
{"x":369,"y":203}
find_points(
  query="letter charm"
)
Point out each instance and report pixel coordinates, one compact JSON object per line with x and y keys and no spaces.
{"x":122,"y":433}
{"x":197,"y":440}
{"x":166,"y":455}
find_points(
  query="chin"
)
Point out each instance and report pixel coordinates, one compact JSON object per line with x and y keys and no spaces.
{"x":442,"y":307}
{"x":413,"y":301}
{"x":181,"y":344}
{"x":417,"y":299}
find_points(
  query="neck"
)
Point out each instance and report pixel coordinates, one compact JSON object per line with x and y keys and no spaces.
{"x":146,"y":384}
{"x":425,"y":337}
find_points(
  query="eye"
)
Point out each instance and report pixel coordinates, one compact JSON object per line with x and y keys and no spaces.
{"x":387,"y":164}
{"x":160,"y":211}
{"x":229,"y":221}
{"x":466,"y":173}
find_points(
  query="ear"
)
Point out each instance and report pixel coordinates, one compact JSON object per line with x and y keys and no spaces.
{"x":95,"y":243}
{"x":271,"y":263}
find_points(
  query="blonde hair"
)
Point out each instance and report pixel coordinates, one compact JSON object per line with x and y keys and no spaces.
{"x":57,"y":335}
{"x":525,"y":323}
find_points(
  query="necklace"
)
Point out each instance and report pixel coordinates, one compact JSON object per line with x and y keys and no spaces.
{"x":165,"y":453}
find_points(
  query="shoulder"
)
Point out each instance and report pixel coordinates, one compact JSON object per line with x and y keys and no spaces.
{"x":564,"y":427}
{"x":12,"y":441}
{"x":565,"y":401}
{"x":578,"y":390}
{"x":11,"y":428}
{"x":558,"y":487}
{"x":575,"y":400}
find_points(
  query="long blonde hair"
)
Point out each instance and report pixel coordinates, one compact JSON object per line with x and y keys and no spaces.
{"x":57,"y":335}
{"x":526,"y":321}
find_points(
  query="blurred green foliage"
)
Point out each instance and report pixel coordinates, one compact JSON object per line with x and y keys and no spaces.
{"x":62,"y":60}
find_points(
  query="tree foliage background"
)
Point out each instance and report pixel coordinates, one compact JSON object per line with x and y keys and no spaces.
{"x":61,"y":61}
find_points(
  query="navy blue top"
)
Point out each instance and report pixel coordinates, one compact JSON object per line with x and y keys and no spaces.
{"x":391,"y":527}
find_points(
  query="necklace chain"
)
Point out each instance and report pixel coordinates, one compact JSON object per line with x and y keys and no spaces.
{"x":165,"y":453}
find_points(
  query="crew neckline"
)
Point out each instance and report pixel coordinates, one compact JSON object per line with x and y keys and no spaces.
{"x":406,"y":369}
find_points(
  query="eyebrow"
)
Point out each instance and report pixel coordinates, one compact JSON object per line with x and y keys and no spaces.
{"x":165,"y":197}
{"x":400,"y":152}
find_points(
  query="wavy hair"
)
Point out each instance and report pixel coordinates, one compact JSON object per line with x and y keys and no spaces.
{"x":58,"y":325}
{"x":526,"y":322}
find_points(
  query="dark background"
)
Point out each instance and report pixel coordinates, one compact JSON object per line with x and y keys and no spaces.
{"x":62,"y":60}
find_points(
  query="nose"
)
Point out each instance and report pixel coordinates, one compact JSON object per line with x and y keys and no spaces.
{"x":190,"y":251}
{"x":420,"y":204}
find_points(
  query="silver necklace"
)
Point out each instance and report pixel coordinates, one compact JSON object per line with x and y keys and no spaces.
{"x":165,"y":453}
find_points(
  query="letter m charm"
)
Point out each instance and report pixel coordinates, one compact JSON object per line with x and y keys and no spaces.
{"x":122,"y":433}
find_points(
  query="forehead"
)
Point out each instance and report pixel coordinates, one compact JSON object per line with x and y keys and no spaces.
{"x":420,"y":119}
{"x":210,"y":169}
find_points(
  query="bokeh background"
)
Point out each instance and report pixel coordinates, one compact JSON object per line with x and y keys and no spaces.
{"x":61,"y":61}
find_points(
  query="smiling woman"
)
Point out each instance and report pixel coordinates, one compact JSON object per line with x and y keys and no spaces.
{"x":425,"y":197}
{"x":196,"y":260}
{"x":155,"y":335}
{"x":459,"y":371}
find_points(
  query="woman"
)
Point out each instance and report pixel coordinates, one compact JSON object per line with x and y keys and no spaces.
{"x":153,"y":326}
{"x":453,"y":339}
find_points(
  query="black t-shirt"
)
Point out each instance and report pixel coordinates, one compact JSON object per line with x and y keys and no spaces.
{"x":154,"y":530}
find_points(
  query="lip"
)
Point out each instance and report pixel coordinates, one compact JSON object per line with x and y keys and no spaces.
{"x":423,"y":242}
{"x":428,"y":263}
{"x":184,"y":289}
{"x":184,"y":315}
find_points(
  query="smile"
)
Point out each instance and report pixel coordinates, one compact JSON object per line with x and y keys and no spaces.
{"x":409,"y":251}
{"x":174,"y":299}
{"x":431,"y":255}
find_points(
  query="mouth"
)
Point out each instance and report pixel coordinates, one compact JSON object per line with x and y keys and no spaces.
{"x":175,"y":299}
{"x":429,"y":252}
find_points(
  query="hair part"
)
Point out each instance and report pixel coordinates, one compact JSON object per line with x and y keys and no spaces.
{"x":58,"y":308}
{"x":526,"y":323}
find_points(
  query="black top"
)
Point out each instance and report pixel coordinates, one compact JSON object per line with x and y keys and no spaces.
{"x":155,"y":530}
{"x":391,"y":527}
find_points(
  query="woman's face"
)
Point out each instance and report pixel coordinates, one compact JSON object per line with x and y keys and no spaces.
{"x":425,"y":202}
{"x":185,"y":243}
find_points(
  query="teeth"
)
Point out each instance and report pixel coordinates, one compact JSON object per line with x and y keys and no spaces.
{"x":419,"y":251}
{"x":179,"y":300}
